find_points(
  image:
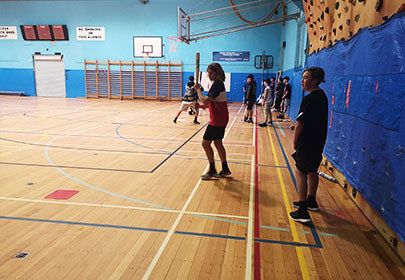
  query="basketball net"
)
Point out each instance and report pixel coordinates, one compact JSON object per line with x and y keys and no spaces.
{"x":146,"y":56}
{"x":173,"y":42}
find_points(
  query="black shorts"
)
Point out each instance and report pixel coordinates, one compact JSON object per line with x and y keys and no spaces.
{"x":307,"y":162}
{"x":214,"y":132}
{"x":250,"y":104}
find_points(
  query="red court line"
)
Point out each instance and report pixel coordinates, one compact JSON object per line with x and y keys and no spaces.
{"x":257,"y":221}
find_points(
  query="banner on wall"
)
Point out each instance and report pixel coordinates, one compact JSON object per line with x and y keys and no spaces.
{"x":8,"y":32}
{"x":206,"y":83}
{"x":90,"y":33}
{"x":230,"y":56}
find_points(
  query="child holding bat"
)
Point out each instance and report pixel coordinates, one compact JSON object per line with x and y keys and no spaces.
{"x":219,"y":116}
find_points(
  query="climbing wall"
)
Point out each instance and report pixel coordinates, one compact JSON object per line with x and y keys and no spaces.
{"x":329,"y":21}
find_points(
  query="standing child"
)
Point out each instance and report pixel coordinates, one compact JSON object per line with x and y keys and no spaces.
{"x":189,"y":100}
{"x":250,"y":97}
{"x":309,"y":140}
{"x":279,"y":94}
{"x":286,"y":98}
{"x":268,"y":102}
{"x":219,"y":117}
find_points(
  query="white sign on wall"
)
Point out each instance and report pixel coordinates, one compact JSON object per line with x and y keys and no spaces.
{"x":90,"y":33}
{"x":206,"y":83}
{"x":8,"y":32}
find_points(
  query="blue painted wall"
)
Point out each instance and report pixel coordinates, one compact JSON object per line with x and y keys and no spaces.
{"x":122,"y":20}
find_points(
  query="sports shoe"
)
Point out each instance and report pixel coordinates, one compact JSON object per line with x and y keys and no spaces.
{"x":280,"y":117}
{"x":250,"y":120}
{"x":270,"y":124}
{"x":196,"y":122}
{"x":209,"y":175}
{"x":223,"y":173}
{"x":301,"y":216}
{"x":311,"y":205}
{"x":262,"y":124}
{"x":246,"y":119}
{"x":174,"y":120}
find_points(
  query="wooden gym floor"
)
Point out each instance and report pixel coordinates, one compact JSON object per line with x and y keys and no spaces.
{"x":140,"y":210}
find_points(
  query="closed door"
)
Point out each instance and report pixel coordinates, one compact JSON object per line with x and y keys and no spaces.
{"x":49,"y":75}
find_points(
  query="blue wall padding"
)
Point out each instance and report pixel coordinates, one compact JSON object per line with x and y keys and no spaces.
{"x":366,"y":140}
{"x":75,"y":83}
{"x":17,"y":80}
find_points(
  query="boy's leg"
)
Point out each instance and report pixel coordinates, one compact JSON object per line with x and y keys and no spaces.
{"x":208,"y":150}
{"x":222,"y":155}
{"x":302,"y":185}
{"x":177,"y":115}
{"x":301,"y":215}
{"x":196,"y":114}
{"x":210,"y":156}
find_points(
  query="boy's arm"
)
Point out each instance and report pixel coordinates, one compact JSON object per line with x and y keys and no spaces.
{"x":298,"y":130}
{"x":204,"y":99}
{"x":266,"y":93}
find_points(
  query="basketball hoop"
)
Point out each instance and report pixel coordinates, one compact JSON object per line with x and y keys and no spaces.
{"x":173,"y":42}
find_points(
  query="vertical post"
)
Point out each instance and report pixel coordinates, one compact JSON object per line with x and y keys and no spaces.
{"x":197,"y":67}
{"x":262,"y":61}
{"x":168,"y":79}
{"x":108,"y":78}
{"x":144,"y":79}
{"x":85,"y":78}
{"x":121,"y":81}
{"x":157,"y":80}
{"x":132,"y":78}
{"x":98,"y":94}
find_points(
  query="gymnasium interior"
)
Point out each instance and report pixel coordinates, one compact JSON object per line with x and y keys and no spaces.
{"x":97,"y":182}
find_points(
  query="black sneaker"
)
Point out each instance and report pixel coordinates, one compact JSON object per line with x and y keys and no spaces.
{"x":270,"y":124}
{"x":280,"y":117}
{"x":174,"y":120}
{"x":311,"y":205}
{"x":196,"y":122}
{"x":300,"y":216}
{"x":209,"y":175}
{"x":246,"y":119}
{"x":250,"y":120}
{"x":223,"y":173}
{"x":262,"y":124}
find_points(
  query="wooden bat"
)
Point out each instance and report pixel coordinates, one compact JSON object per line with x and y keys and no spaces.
{"x":197,"y":67}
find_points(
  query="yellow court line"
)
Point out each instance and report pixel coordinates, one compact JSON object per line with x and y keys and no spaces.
{"x":300,"y":253}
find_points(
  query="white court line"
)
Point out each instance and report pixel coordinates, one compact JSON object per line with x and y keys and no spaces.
{"x":177,"y":221}
{"x":171,"y":231}
{"x":249,"y":245}
{"x":122,"y":207}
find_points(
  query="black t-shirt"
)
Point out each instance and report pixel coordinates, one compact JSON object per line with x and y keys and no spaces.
{"x":251,"y":91}
{"x":314,"y":114}
{"x":279,"y":89}
{"x":287,"y":90}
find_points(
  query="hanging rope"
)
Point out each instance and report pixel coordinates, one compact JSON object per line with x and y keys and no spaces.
{"x":269,"y":16}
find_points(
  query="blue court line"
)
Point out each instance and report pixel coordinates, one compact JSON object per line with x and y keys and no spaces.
{"x":82,"y":224}
{"x":300,"y":231}
{"x":313,"y":229}
{"x":281,"y":130}
{"x":286,"y":160}
{"x":287,"y":243}
{"x":121,"y":227}
{"x":219,"y":219}
{"x":211,"y":235}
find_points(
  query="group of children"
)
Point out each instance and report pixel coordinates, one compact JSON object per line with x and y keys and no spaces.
{"x":309,"y":137}
{"x":276,"y":96}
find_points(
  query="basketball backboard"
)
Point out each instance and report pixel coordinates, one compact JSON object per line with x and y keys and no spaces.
{"x":183,"y":26}
{"x":148,"y":46}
